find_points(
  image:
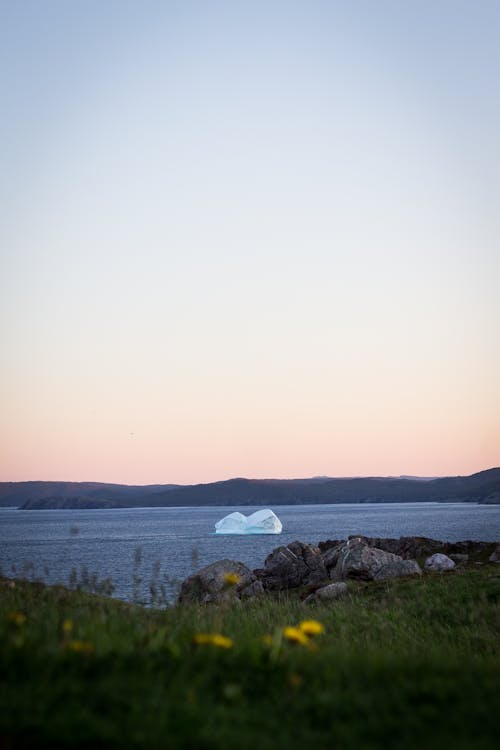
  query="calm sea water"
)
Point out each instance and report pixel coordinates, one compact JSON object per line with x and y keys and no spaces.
{"x":182,"y":539}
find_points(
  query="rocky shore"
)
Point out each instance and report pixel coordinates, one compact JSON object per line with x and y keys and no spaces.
{"x":321,"y":572}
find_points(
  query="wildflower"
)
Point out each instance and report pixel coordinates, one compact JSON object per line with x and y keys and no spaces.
{"x":17,"y":618}
{"x":212,"y":639}
{"x":267,"y":640}
{"x":231,"y":579}
{"x":295,"y":635}
{"x":81,"y":647}
{"x":222,"y":641}
{"x":311,"y":627}
{"x":67,"y":626}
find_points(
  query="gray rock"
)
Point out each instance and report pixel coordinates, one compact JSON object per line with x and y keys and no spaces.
{"x":331,"y":556}
{"x":410,"y":547}
{"x":398,"y":568}
{"x":253,"y":589}
{"x":328,"y":593}
{"x":495,"y":556}
{"x":356,"y":559}
{"x":297,"y":564}
{"x":439,"y":562}
{"x":209,"y":585}
{"x":407,"y":547}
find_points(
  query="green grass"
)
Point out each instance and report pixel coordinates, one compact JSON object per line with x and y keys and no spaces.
{"x":403,"y":664}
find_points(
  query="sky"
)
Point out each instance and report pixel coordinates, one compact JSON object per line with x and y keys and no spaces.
{"x":249,"y":239}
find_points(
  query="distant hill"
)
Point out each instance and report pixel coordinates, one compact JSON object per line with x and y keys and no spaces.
{"x":483,"y":487}
{"x":120,"y":495}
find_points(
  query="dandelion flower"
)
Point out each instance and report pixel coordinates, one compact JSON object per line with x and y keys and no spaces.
{"x":221,"y":641}
{"x":311,"y":627}
{"x":267,"y":640}
{"x":231,"y":579}
{"x":295,"y":635}
{"x":212,"y":639}
{"x":67,"y":626}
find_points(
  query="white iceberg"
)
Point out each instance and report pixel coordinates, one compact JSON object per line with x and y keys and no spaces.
{"x":260,"y":522}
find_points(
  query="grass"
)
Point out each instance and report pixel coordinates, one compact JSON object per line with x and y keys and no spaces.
{"x":408,"y":663}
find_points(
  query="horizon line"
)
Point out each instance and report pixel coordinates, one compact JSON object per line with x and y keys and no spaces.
{"x":252,"y":479}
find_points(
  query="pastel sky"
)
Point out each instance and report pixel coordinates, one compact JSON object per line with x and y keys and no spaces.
{"x":249,"y":238}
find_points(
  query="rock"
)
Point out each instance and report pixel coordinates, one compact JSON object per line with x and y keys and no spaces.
{"x":209,"y":584}
{"x":297,"y":564}
{"x":407,"y":547}
{"x":495,"y":556}
{"x":459,"y":558}
{"x":439,"y":562}
{"x":467,"y":547}
{"x":410,"y":547}
{"x":325,"y":546}
{"x":331,"y":556}
{"x":356,"y":559}
{"x":398,"y":568}
{"x":328,"y":593}
{"x":253,"y":589}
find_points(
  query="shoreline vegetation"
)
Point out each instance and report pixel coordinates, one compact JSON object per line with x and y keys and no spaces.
{"x":482,"y":487}
{"x":408,"y":661}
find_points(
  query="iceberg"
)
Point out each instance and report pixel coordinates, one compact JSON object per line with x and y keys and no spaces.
{"x":260,"y":522}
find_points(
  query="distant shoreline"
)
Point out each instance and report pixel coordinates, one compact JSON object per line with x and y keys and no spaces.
{"x":242,"y":505}
{"x":481,"y":488}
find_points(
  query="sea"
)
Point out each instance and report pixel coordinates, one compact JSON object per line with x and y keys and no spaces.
{"x":144,"y":553}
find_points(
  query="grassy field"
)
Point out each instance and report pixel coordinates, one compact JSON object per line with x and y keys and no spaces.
{"x":401,"y":664}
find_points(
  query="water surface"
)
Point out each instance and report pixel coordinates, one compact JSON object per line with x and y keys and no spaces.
{"x":181,"y":539}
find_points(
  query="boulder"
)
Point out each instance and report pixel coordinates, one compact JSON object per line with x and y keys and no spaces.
{"x":209,"y":585}
{"x":253,"y":589}
{"x":332,"y":554}
{"x":410,"y":547}
{"x":356,"y":559}
{"x":297,"y":564}
{"x":328,"y":593}
{"x":397,"y":569}
{"x":439,"y":562}
{"x":495,"y":556}
{"x":407,"y":547}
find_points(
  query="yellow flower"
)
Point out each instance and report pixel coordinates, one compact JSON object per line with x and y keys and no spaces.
{"x":81,"y":647}
{"x":67,"y":626}
{"x":221,"y":641}
{"x":311,"y":627}
{"x":267,"y":640}
{"x":295,"y":635}
{"x":232,"y":579}
{"x":16,"y":618}
{"x":212,"y":639}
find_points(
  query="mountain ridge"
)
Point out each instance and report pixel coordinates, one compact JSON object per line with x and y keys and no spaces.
{"x":481,"y":487}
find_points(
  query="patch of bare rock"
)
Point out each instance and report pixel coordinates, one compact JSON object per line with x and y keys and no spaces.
{"x":323,"y":569}
{"x":213,"y":584}
{"x":439,"y":562}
